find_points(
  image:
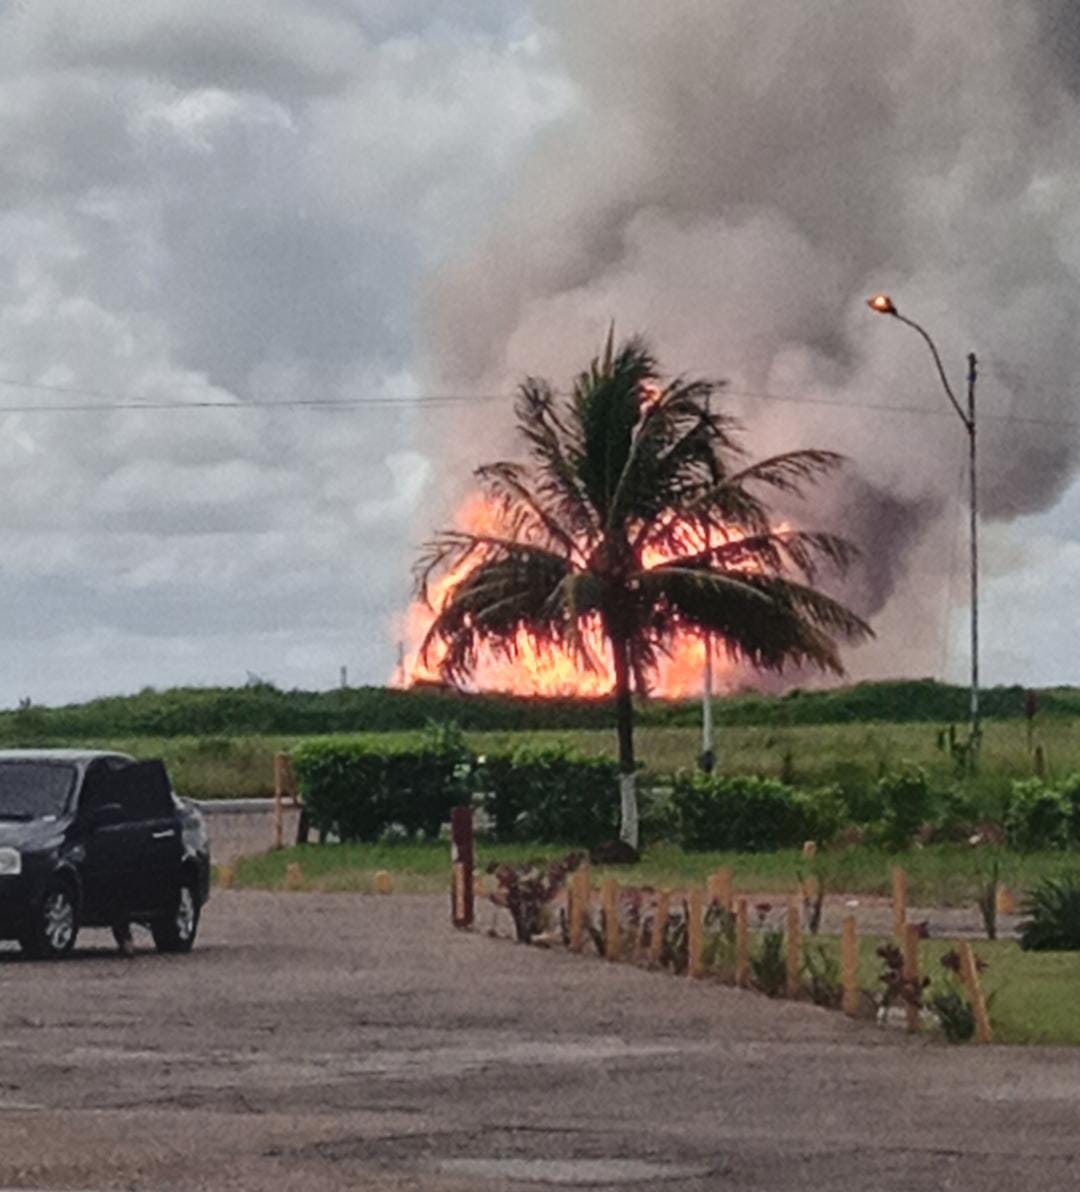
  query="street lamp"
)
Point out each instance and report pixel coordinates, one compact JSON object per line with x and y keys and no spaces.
{"x":708,"y":756}
{"x":882,"y":304}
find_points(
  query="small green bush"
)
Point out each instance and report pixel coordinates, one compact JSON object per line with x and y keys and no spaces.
{"x":959,"y":815}
{"x":746,"y":815}
{"x":768,"y":964}
{"x":955,"y":1014}
{"x":1037,"y":817}
{"x":824,"y":813}
{"x":1070,"y":792}
{"x":1052,"y":922}
{"x":907,"y":803}
{"x":550,"y":794}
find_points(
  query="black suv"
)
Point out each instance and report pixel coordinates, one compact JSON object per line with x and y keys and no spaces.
{"x":96,"y":840}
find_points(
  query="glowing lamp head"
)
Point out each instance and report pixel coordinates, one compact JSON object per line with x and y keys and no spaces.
{"x":882,"y":303}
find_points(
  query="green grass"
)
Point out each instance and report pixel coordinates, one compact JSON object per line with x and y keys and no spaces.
{"x":853,"y":755}
{"x":1032,"y":995}
{"x":945,"y":875}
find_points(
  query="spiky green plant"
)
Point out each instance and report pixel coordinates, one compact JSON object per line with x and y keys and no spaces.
{"x":1052,"y":916}
{"x":629,"y":469}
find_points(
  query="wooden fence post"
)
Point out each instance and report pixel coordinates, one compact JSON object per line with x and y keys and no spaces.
{"x":911,"y":974}
{"x":279,"y":794}
{"x":461,"y":854}
{"x":660,"y":918}
{"x":719,"y":887}
{"x":609,"y":899}
{"x":899,"y":900}
{"x":579,"y":907}
{"x":695,"y":908}
{"x":969,"y":970}
{"x":794,"y":946}
{"x":742,"y":944}
{"x":849,"y":966}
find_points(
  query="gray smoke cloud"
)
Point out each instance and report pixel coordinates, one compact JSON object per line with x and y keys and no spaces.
{"x":735,"y":178}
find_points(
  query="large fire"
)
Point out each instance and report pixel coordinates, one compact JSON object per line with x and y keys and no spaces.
{"x":543,"y":671}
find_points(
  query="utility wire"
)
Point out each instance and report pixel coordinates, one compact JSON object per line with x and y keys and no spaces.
{"x":105,"y":402}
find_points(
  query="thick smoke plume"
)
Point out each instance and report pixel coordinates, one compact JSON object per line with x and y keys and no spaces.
{"x":736,"y":178}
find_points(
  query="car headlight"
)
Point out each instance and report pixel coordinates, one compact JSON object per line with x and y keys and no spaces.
{"x":10,"y":862}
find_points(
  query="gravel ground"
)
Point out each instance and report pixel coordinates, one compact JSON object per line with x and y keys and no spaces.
{"x":324,"y":1042}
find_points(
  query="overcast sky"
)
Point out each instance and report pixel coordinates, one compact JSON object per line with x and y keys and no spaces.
{"x":272,"y":200}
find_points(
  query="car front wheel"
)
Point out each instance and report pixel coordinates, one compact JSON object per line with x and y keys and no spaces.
{"x":54,"y":924}
{"x":176,"y":931}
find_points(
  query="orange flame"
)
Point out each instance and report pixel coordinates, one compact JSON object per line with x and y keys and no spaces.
{"x":544,"y":671}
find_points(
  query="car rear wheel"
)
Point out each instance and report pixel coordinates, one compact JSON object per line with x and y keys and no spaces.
{"x":55,"y":923}
{"x":176,"y":931}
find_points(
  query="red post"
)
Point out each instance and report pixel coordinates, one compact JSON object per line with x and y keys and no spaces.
{"x":461,"y":854}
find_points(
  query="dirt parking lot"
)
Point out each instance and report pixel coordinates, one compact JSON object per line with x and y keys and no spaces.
{"x":335,"y":1041}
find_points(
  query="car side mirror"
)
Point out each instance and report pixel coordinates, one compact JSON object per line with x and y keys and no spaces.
{"x":106,"y":815}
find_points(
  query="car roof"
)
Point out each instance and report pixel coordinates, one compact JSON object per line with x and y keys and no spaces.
{"x":59,"y":755}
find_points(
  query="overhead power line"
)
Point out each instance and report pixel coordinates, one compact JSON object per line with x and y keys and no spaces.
{"x":102,"y":401}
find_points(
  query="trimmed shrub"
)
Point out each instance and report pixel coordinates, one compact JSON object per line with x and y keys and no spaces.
{"x":1070,"y":792}
{"x":550,"y":794}
{"x":1037,"y":817}
{"x":825,"y":812}
{"x":959,"y":815}
{"x":357,"y":790}
{"x":1053,"y":917}
{"x":907,"y":803}
{"x":747,"y":815}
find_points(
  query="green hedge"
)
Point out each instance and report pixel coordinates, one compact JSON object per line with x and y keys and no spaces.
{"x":751,"y":815}
{"x":360,"y":791}
{"x":551,"y":795}
{"x":357,"y":790}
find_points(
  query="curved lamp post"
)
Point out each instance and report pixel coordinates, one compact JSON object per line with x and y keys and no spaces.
{"x":883,"y":305}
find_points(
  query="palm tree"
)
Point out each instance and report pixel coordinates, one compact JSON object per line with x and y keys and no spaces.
{"x":625,"y":472}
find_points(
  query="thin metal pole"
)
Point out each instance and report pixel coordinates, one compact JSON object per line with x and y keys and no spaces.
{"x":976,"y":729}
{"x":708,"y":758}
{"x":968,"y":420}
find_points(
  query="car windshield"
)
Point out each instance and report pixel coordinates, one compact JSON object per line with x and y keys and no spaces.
{"x":34,"y":790}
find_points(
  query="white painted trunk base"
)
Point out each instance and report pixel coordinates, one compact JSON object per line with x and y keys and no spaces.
{"x":628,"y":830}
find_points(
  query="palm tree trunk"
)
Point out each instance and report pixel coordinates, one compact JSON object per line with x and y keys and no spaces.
{"x":624,"y":722}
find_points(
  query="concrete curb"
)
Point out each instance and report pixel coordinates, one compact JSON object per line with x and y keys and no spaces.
{"x":237,"y":806}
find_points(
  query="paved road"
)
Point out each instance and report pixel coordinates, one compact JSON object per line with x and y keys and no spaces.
{"x":324,"y":1042}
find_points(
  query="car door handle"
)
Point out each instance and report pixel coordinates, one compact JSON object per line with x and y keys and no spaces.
{"x":163,"y":835}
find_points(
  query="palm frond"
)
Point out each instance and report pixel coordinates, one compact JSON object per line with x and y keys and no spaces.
{"x":788,"y":472}
{"x":674,"y":454}
{"x":555,"y":447}
{"x":774,"y":552}
{"x":452,"y":550}
{"x":606,"y":403}
{"x":523,"y":510}
{"x":767,"y":621}
{"x":500,"y":600}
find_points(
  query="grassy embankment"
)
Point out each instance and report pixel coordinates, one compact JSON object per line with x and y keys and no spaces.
{"x":853,"y":755}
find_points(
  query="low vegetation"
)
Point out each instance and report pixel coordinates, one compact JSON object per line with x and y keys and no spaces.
{"x":261,"y":709}
{"x":939,"y":875}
